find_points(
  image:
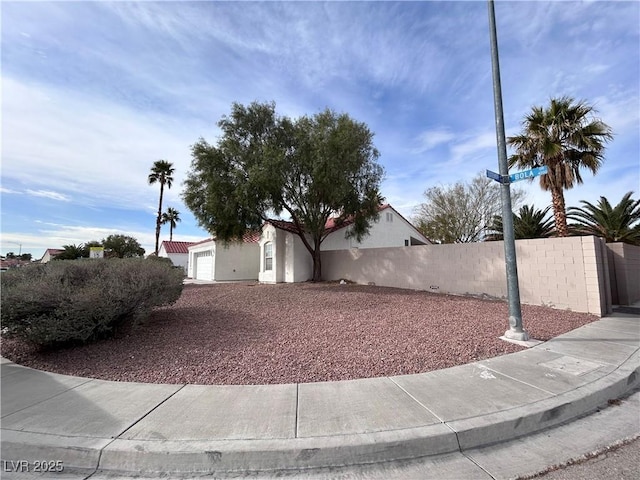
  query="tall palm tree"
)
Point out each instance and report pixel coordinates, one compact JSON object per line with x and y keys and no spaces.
{"x":527,"y":223}
{"x":172,"y":217}
{"x":616,"y":224}
{"x":565,"y":137}
{"x":161,"y":173}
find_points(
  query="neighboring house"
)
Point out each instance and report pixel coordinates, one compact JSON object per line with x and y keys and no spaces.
{"x":214,"y":260}
{"x":177,"y":252}
{"x":50,"y":254}
{"x":284,"y":258}
{"x":6,"y":264}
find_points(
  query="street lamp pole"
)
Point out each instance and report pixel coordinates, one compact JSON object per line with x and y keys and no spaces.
{"x":516,"y":331}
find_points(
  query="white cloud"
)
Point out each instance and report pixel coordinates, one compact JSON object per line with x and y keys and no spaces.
{"x":596,"y":68}
{"x":55,"y":140}
{"x":49,"y":194}
{"x":473,"y":147}
{"x":430,"y":139}
{"x":620,"y":110}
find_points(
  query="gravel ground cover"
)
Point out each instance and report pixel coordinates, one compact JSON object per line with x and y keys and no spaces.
{"x":247,"y":333}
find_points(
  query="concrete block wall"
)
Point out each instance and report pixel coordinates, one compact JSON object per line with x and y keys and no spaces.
{"x":565,"y":273}
{"x":552,"y":272}
{"x":624,"y":268}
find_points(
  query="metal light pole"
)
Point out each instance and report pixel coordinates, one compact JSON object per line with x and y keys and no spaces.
{"x":516,"y":331}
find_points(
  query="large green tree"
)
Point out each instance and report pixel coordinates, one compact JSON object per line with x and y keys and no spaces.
{"x":308,"y":169}
{"x":615,"y":224}
{"x":566,"y":137}
{"x":527,"y":223}
{"x":122,"y":246}
{"x":172,"y":217}
{"x":162,"y":173}
{"x":462,"y":212}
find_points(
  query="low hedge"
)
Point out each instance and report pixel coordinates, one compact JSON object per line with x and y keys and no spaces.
{"x":79,"y":301}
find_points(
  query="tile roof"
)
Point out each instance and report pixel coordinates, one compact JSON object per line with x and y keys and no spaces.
{"x":330,"y":226}
{"x":52,"y":252}
{"x":284,"y":225}
{"x":249,"y":237}
{"x":202,"y":241}
{"x":176,"y":247}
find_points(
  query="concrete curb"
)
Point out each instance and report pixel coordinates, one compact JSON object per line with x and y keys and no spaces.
{"x":231,"y":457}
{"x":510,"y":424}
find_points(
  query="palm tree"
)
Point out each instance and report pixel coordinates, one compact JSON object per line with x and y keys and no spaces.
{"x":527,"y":223}
{"x":161,"y":172}
{"x":172,"y":217}
{"x":565,"y":137}
{"x":72,"y":252}
{"x":616,"y":224}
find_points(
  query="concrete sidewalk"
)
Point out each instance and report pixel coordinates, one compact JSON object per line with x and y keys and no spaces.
{"x":188,"y":430}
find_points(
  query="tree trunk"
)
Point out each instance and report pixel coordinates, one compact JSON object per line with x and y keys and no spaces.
{"x":159,"y":217}
{"x":170,"y":233}
{"x":317,"y":266}
{"x":559,"y":212}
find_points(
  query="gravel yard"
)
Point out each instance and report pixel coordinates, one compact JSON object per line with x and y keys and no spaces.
{"x":246,"y":333}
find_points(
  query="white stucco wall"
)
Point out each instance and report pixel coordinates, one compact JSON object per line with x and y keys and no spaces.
{"x":292,"y":262}
{"x":298,"y":262}
{"x":280,"y":250}
{"x":178,"y":259}
{"x":391,"y":230}
{"x":236,"y":261}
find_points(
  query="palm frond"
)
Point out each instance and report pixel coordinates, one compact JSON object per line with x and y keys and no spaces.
{"x":619,"y":223}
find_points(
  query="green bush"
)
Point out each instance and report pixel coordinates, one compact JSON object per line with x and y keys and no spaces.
{"x":154,"y":258}
{"x":79,"y":301}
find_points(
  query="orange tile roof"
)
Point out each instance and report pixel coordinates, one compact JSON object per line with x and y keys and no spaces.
{"x":248,"y":237}
{"x":329,"y":227}
{"x":176,"y":247}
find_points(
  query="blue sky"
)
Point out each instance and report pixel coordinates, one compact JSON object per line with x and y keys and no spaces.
{"x":93,"y":93}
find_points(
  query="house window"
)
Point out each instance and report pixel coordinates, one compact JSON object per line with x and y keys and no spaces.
{"x":268,"y":256}
{"x":406,"y":243}
{"x":389,"y":217}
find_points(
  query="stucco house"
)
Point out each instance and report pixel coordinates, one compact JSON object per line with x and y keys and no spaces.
{"x":284,"y":258}
{"x":177,"y":252}
{"x":214,"y":260}
{"x":50,"y":254}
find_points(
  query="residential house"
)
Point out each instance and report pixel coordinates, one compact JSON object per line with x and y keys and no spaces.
{"x":50,"y":254}
{"x":219,"y":261}
{"x":177,"y":252}
{"x":7,"y":263}
{"x":284,"y":257}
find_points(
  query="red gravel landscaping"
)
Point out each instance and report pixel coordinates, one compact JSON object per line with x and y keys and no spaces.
{"x":246,"y":333}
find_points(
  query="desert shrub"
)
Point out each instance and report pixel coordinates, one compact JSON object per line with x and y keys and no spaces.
{"x":154,"y":258}
{"x":78,"y":301}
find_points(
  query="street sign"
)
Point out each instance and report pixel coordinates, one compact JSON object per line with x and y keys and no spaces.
{"x":534,"y":172}
{"x":494,"y":176}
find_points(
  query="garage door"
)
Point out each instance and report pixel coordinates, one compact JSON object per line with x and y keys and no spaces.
{"x":203,"y":265}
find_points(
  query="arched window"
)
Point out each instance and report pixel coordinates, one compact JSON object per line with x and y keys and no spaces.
{"x":268,"y":256}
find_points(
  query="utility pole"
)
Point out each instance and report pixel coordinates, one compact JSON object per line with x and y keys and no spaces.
{"x":516,"y":331}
